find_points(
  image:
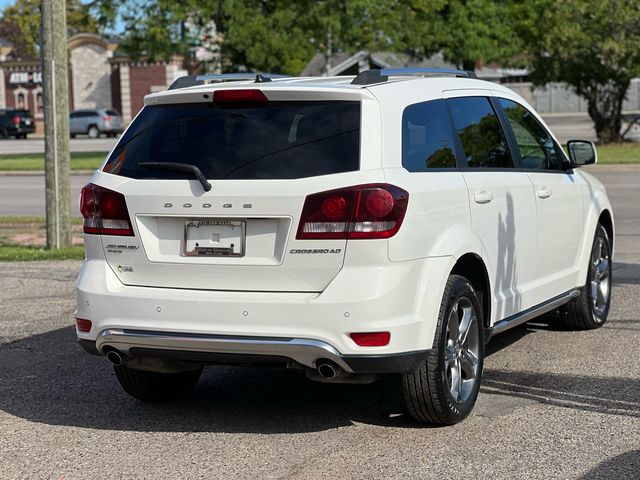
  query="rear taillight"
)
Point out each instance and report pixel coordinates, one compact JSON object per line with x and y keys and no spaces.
{"x":360,"y":212}
{"x":104,"y":211}
{"x":16,"y":120}
{"x":106,"y":118}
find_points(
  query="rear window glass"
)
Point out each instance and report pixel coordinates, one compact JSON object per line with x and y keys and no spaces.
{"x":278,"y":140}
{"x":427,"y":139}
{"x":112,"y":112}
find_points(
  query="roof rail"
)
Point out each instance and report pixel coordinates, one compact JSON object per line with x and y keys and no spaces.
{"x":193,"y":80}
{"x":372,"y":76}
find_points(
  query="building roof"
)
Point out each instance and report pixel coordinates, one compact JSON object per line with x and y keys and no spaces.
{"x":343,"y":63}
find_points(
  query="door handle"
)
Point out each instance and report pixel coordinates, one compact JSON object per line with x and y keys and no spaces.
{"x":483,"y":196}
{"x":543,"y":192}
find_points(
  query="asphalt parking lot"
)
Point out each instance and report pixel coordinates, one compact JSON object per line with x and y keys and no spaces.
{"x":554,"y":404}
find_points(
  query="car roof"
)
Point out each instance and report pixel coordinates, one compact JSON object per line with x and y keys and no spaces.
{"x":341,"y":85}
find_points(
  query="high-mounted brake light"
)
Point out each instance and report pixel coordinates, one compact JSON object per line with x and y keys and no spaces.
{"x":104,"y":212}
{"x":359,"y":212}
{"x":239,"y":96}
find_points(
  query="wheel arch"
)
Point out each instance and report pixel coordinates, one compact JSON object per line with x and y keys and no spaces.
{"x":472,"y":267}
{"x":606,"y":220}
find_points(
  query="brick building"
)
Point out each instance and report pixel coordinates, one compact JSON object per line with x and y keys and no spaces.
{"x":98,"y":78}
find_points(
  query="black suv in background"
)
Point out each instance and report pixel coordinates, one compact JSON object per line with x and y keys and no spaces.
{"x":16,"y":123}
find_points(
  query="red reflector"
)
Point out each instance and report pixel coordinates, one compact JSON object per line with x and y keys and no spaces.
{"x":361,"y":211}
{"x":83,"y":325}
{"x":239,"y":96}
{"x":371,"y":339}
{"x":104,"y":212}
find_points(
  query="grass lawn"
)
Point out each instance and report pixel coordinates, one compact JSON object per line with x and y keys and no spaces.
{"x":31,"y":162}
{"x":23,"y":238}
{"x":19,"y":253}
{"x":620,"y":153}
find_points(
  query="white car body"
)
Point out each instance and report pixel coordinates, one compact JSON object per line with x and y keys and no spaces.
{"x":532,"y":231}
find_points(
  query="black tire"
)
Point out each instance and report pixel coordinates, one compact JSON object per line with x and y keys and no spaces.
{"x":428,"y":392}
{"x":586,"y":312}
{"x":73,"y":135}
{"x":4,"y":134}
{"x":93,"y":132}
{"x":156,"y":387}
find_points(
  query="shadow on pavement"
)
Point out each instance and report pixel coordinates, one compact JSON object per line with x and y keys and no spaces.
{"x":613,"y":396}
{"x":47,"y":378}
{"x":626,"y":273}
{"x":623,"y":466}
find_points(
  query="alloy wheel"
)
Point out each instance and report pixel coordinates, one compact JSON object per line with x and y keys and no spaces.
{"x":461,"y":350}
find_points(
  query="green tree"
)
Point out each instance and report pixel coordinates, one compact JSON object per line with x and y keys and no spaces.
{"x":274,"y":35}
{"x":21,"y":24}
{"x":592,"y":45}
{"x":467,"y":32}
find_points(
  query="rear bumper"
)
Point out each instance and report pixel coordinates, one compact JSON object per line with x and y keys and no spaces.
{"x":228,"y":349}
{"x":21,"y":130}
{"x":402,"y":298}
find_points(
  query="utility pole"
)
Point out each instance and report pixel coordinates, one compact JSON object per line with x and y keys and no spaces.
{"x":54,"y":65}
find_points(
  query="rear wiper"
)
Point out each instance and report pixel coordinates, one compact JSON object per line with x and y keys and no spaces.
{"x":180,"y":167}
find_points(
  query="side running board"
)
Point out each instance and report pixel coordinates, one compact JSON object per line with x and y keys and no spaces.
{"x":534,"y":312}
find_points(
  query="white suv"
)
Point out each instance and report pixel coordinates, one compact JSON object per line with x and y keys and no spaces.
{"x":389,"y":223}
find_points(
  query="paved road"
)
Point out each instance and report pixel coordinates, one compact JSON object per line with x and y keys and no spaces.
{"x":36,"y":145}
{"x":24,"y":194}
{"x":554,"y":404}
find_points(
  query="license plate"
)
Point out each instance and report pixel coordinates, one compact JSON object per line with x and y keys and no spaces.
{"x":214,"y":238}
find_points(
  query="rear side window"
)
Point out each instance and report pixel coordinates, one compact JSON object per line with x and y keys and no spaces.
{"x":277,"y":140}
{"x":538,"y":151}
{"x":427,"y":139}
{"x":483,"y":140}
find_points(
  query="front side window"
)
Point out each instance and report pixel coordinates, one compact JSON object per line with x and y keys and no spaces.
{"x":483,"y":141}
{"x":537,"y":149}
{"x":427,"y":139}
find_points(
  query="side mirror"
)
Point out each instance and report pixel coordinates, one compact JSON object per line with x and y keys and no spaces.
{"x":582,"y":152}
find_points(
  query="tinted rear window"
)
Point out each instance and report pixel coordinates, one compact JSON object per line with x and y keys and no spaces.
{"x":427,"y":139}
{"x":112,"y":112}
{"x":280,"y":140}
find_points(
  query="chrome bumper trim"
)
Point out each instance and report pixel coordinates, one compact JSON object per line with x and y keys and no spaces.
{"x":302,"y":350}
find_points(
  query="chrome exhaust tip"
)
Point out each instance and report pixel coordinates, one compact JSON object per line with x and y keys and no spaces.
{"x":115,"y":358}
{"x":328,"y":371}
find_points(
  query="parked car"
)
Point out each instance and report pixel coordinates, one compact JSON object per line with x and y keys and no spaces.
{"x":387,"y":224}
{"x":16,"y":123}
{"x":95,"y":122}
